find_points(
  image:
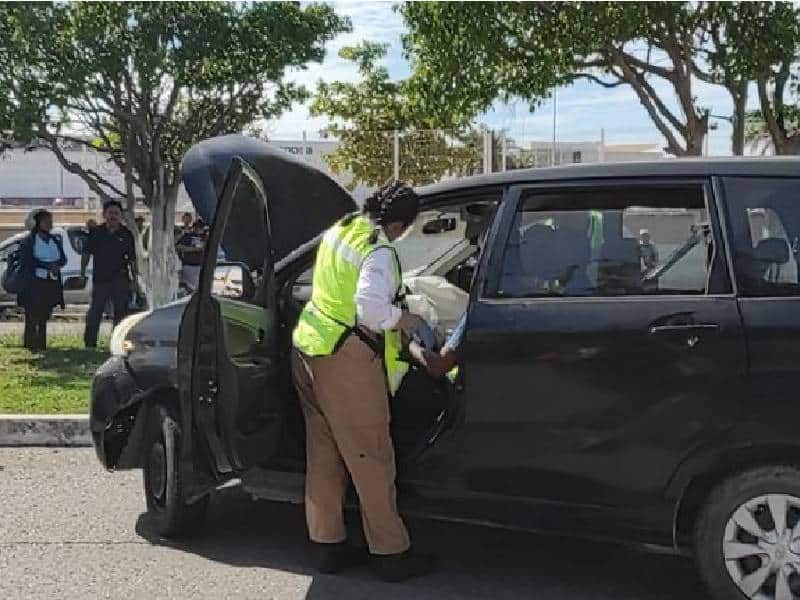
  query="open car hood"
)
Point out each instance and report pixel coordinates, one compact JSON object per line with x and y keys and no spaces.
{"x":303,"y":201}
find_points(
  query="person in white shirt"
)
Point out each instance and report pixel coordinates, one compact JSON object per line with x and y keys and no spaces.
{"x":344,"y":379}
{"x":42,"y":258}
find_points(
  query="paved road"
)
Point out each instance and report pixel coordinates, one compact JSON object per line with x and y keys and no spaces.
{"x":70,"y":530}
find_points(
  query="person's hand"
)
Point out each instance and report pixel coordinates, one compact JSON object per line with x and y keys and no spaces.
{"x":408,"y":322}
{"x":54,"y":269}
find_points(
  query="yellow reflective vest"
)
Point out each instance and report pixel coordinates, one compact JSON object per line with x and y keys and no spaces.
{"x":330,"y":316}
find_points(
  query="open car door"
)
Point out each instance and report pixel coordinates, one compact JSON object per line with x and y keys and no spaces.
{"x":227,"y":351}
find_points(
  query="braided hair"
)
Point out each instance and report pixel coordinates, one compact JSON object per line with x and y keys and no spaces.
{"x":393,"y":203}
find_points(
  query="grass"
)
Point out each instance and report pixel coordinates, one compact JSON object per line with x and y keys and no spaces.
{"x":55,"y":382}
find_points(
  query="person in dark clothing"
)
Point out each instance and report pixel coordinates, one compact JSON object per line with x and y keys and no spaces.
{"x":113,"y":248}
{"x":190,"y":248}
{"x":42,"y":257}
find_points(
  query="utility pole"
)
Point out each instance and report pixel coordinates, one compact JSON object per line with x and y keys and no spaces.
{"x":555,"y":122}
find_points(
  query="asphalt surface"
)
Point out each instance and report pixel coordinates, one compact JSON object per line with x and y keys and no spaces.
{"x":68,"y":529}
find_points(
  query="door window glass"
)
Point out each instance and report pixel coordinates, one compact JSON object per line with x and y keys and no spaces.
{"x":765,"y":219}
{"x":610,"y":242}
{"x":8,"y":250}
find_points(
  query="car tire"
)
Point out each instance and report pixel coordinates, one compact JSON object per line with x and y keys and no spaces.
{"x":745,"y":540}
{"x":167,"y":509}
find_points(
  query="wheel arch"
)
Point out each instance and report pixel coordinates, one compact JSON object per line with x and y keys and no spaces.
{"x":693,"y":484}
{"x":144,"y":414}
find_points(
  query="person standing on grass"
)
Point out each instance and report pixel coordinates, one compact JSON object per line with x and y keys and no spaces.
{"x":113,"y":249}
{"x":42,"y":258}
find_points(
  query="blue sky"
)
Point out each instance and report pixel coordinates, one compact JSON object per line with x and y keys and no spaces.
{"x":583,"y":109}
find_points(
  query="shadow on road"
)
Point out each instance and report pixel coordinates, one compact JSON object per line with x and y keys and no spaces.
{"x":476,"y":562}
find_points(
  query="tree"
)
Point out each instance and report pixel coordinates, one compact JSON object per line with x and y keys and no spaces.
{"x":467,"y":55}
{"x":141,"y":82}
{"x":366,"y":116}
{"x":762,"y":44}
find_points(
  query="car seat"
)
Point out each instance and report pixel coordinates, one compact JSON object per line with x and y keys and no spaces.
{"x":765,"y":262}
{"x":620,"y":267}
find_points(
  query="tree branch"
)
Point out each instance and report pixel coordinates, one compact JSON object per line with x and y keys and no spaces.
{"x":93,"y":179}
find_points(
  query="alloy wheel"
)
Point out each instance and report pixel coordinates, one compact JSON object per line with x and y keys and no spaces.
{"x":761,"y":547}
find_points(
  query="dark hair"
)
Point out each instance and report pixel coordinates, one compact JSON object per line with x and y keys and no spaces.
{"x":37,"y":219}
{"x":392,"y":203}
{"x":109,"y":203}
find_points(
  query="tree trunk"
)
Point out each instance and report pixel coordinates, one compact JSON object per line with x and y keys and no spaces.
{"x":162,"y":261}
{"x":738,"y":93}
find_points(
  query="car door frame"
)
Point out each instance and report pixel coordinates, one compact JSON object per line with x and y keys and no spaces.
{"x":203,"y":453}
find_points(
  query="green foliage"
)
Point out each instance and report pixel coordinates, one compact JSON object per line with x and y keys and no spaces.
{"x":467,"y":55}
{"x":364,"y":116}
{"x":146,"y":80}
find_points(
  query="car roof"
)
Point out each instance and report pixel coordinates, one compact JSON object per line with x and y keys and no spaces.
{"x":782,"y":166}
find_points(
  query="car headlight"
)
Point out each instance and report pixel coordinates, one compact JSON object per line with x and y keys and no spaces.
{"x":119,"y":345}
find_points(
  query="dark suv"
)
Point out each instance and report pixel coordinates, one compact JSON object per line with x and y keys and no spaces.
{"x":629,"y":368}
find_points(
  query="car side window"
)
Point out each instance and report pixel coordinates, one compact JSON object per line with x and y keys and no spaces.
{"x":77,"y":239}
{"x":8,"y":250}
{"x":764,"y":216}
{"x":611,"y":241}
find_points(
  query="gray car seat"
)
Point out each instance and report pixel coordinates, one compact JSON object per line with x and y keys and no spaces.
{"x":765,"y":262}
{"x":620,"y":267}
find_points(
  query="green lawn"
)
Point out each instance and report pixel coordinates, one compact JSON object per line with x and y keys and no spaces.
{"x":57,"y":381}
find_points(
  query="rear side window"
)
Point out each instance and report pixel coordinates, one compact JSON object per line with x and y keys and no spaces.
{"x":612,"y":241}
{"x":764,"y":216}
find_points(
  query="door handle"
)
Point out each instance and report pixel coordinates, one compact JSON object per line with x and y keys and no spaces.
{"x":688,"y":328}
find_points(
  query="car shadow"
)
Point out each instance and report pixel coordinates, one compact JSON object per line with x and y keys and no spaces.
{"x":474,"y":562}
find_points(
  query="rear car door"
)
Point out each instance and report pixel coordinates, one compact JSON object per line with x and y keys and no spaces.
{"x":227,"y":341}
{"x":592,"y":361}
{"x":764,"y":222}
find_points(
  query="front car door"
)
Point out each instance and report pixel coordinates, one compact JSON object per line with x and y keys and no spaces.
{"x":593,"y":360}
{"x":227,"y":341}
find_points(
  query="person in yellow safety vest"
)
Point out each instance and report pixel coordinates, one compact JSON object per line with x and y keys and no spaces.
{"x":345,"y":364}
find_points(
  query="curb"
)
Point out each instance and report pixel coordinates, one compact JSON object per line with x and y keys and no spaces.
{"x":45,"y":430}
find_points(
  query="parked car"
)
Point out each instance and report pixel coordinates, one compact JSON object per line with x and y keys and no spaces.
{"x":73,"y":239}
{"x":596,"y":397}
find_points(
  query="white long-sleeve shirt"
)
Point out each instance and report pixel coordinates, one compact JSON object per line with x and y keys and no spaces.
{"x":376,"y":290}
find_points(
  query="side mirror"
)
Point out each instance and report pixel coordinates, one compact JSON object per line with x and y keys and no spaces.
{"x":233,"y":280}
{"x":440,"y":225}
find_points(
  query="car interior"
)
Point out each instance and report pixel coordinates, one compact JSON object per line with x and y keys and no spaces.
{"x":439,"y":257}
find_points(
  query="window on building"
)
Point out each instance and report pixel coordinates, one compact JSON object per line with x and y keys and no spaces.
{"x":765,"y":219}
{"x":612,"y":242}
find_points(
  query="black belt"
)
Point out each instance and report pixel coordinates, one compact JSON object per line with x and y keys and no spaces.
{"x":374,"y":342}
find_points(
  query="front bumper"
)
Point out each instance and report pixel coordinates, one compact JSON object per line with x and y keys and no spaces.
{"x":115,"y":405}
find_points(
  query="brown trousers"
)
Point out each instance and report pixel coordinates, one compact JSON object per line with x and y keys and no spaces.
{"x":346,"y":408}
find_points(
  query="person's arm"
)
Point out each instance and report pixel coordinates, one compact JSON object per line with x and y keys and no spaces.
{"x":375,"y":292}
{"x":88,"y":250}
{"x":62,"y":257}
{"x":132,"y":256}
{"x":436,"y":364}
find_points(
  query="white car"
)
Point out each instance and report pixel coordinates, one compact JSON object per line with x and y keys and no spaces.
{"x":73,"y":239}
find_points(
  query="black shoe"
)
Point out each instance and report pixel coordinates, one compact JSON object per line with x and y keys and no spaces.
{"x":332,"y":558}
{"x":399,"y":567}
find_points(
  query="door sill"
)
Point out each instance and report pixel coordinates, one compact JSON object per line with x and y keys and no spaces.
{"x":280,"y":486}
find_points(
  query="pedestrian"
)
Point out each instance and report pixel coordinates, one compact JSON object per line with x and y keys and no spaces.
{"x":112,"y":248}
{"x":42,"y":258}
{"x":190,"y":248}
{"x":346,"y":354}
{"x":648,"y":253}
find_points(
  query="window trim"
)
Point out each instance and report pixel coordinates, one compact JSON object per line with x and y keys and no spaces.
{"x":489,"y":291}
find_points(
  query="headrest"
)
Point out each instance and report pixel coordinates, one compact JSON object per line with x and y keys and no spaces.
{"x":772,"y":250}
{"x":621,"y":250}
